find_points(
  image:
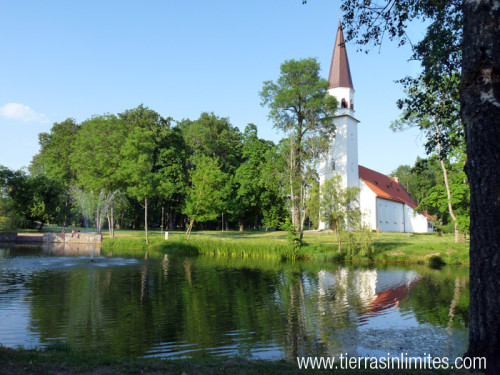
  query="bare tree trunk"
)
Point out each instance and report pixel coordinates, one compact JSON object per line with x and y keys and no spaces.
{"x":446,"y":183}
{"x":146,"y":219}
{"x":242,"y":224}
{"x":480,"y":106}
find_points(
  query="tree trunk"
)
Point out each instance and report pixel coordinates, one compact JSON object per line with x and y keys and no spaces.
{"x":162,"y":215}
{"x":67,"y":214}
{"x":256,"y":223}
{"x":41,"y":225}
{"x":190,"y":227}
{"x":242,"y":224}
{"x":337,"y":235}
{"x":447,"y":186}
{"x":146,"y":219}
{"x":480,"y":103}
{"x":112,"y":223}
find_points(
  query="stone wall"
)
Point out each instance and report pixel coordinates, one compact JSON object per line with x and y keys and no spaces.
{"x":82,"y":238}
{"x":8,"y":236}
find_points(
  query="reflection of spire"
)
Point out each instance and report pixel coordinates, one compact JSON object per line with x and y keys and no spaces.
{"x":340,"y":74}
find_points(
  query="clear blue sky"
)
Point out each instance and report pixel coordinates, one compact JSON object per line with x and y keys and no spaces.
{"x":77,"y":58}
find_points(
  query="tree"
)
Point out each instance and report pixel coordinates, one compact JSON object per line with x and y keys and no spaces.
{"x":141,"y":161}
{"x":55,"y":157}
{"x":204,"y":199}
{"x":462,"y":35}
{"x":299,"y":106}
{"x":216,"y":137}
{"x":31,"y":197}
{"x":433,"y":107}
{"x":96,"y":160}
{"x":340,"y":207}
{"x":249,"y":187}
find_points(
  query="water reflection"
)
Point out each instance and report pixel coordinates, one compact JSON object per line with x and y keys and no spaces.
{"x":170,"y":306}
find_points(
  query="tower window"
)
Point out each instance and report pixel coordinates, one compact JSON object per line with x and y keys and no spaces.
{"x":343,"y":103}
{"x":333,"y":165}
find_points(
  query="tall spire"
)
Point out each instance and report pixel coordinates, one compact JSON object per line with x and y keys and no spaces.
{"x":340,"y":74}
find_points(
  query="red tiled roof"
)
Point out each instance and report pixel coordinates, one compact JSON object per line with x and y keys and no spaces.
{"x":340,"y":74}
{"x":387,"y":187}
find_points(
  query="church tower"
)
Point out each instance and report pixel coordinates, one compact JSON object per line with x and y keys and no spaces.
{"x":342,"y":156}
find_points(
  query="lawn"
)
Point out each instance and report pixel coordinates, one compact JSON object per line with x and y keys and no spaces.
{"x":382,"y":247}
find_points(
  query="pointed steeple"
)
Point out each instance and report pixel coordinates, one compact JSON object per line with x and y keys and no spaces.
{"x":340,"y":74}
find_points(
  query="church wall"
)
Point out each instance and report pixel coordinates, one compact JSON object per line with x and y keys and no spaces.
{"x":367,"y":203}
{"x":390,"y":216}
{"x":415,"y":221}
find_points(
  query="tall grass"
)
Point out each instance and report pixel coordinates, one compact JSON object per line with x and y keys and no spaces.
{"x":242,"y":248}
{"x":363,"y":246}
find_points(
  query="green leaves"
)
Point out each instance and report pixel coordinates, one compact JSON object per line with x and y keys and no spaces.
{"x":204,"y":197}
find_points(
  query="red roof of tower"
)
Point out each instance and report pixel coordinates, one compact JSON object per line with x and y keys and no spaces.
{"x":340,"y":74}
{"x":387,"y":187}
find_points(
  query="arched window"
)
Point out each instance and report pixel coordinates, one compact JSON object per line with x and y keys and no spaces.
{"x":343,"y":103}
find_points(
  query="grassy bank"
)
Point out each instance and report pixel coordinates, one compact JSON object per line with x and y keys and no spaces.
{"x":62,"y":360}
{"x":372,"y":247}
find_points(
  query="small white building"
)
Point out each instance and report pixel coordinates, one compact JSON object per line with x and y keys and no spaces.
{"x":386,"y":205}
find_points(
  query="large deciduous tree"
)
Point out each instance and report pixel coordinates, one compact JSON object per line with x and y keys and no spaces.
{"x":96,"y":160}
{"x":300,"y":107}
{"x":54,"y":158}
{"x":142,"y":159}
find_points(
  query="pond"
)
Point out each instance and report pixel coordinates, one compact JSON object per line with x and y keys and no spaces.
{"x":168,"y":305}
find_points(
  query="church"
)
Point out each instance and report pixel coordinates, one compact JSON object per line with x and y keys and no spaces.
{"x":384,"y":203}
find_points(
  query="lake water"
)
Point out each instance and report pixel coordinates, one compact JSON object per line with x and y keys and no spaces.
{"x":186,"y":306}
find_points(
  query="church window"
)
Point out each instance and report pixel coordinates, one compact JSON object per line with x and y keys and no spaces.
{"x":343,"y":103}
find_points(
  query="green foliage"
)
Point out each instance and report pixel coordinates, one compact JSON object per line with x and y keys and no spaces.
{"x":340,"y":207}
{"x":29,"y":198}
{"x":299,"y":106}
{"x":56,"y":150}
{"x":292,"y":236}
{"x":96,"y":156}
{"x":204,"y":197}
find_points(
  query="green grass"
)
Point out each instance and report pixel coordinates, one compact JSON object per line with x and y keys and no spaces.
{"x":430,"y":249}
{"x":61,"y":359}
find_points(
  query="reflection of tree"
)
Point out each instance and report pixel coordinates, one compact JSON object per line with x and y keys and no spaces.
{"x":181,"y":304}
{"x":440,"y":298}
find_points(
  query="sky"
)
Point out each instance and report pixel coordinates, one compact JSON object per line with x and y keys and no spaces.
{"x":75,"y":59}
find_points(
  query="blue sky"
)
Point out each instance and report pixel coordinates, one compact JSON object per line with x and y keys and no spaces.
{"x":76,"y":59}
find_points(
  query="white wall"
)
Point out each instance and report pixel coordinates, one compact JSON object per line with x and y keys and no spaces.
{"x":415,"y":221}
{"x":367,"y":203}
{"x":390,"y":216}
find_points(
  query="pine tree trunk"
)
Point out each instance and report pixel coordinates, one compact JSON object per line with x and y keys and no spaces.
{"x":480,"y":103}
{"x":146,"y":219}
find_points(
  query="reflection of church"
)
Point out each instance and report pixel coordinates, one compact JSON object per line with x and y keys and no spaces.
{"x":385,"y":203}
{"x":359,"y":295}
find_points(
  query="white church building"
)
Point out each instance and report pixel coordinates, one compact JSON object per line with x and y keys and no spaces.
{"x":385,"y":204}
